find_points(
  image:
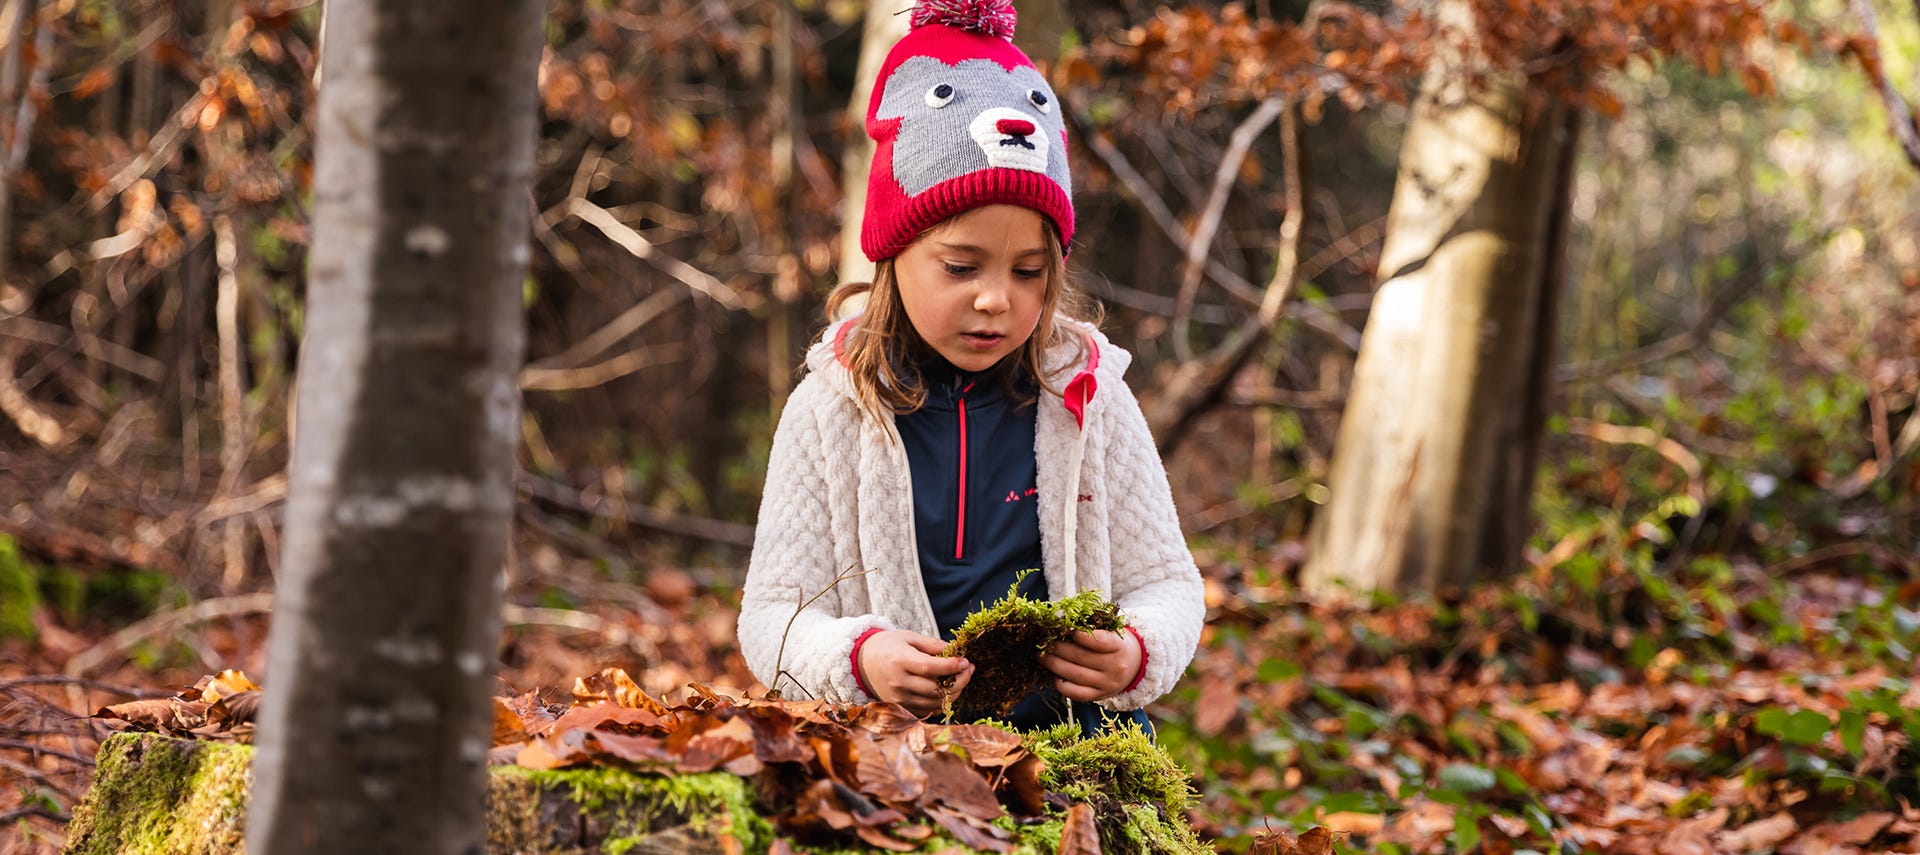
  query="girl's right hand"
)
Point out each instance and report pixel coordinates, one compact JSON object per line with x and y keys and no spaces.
{"x":905,"y":668}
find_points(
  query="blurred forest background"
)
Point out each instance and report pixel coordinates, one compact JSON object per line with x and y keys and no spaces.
{"x":1700,"y":639}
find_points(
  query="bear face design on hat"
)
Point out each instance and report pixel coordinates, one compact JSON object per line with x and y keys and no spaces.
{"x":961,"y":119}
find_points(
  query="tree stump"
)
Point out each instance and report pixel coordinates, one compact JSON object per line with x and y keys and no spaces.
{"x":156,"y":795}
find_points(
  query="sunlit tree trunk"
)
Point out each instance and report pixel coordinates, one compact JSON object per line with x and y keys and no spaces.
{"x":1433,"y":466}
{"x":886,"y":24}
{"x":375,"y":730}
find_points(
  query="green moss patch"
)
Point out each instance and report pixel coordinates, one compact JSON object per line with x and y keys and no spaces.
{"x":154,"y":795}
{"x":1005,"y":641}
{"x":1140,"y":796}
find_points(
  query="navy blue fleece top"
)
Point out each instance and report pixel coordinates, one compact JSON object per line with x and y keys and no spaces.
{"x":976,"y":516}
{"x":970,"y":449}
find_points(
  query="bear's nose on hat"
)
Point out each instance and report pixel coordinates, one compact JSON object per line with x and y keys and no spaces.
{"x":1014,"y":127}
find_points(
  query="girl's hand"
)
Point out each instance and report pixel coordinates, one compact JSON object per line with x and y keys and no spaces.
{"x":1094,"y":666}
{"x":906,"y":668}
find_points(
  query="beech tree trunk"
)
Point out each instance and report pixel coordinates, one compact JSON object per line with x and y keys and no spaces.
{"x":1432,"y":474}
{"x":376,"y":724}
{"x":887,"y":22}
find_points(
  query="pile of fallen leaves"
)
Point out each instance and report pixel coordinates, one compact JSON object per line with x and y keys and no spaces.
{"x":875,"y":771}
{"x":826,"y":773}
{"x":219,"y":706}
{"x":1747,"y":711}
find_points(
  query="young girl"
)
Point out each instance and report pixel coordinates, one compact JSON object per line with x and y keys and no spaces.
{"x":950,"y":436}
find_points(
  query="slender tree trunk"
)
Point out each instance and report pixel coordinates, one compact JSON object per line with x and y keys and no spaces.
{"x":375,"y":730}
{"x":1433,"y":460}
{"x":15,"y":109}
{"x":1042,"y":23}
{"x":886,"y":24}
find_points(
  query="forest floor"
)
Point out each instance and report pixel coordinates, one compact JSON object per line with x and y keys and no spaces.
{"x":1723,"y":707}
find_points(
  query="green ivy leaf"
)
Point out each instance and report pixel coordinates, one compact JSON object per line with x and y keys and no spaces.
{"x":1467,"y":778}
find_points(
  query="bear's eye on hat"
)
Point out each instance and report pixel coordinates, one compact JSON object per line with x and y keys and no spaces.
{"x":940,"y":95}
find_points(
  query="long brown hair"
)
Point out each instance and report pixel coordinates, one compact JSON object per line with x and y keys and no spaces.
{"x":881,"y":347}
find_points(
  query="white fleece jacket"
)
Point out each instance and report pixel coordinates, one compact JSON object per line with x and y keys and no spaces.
{"x":839,"y":501}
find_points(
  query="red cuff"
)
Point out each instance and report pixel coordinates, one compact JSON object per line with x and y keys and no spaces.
{"x":855,"y":658}
{"x":1143,"y":661}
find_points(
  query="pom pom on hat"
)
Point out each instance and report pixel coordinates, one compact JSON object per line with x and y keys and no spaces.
{"x":987,"y":17}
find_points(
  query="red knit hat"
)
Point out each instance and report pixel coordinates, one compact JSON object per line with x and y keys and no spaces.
{"x":961,"y":119}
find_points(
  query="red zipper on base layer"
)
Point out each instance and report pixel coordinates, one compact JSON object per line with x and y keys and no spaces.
{"x":960,"y":516}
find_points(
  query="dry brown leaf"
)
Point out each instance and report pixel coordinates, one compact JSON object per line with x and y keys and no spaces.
{"x":953,"y":783}
{"x":166,"y":714}
{"x":1219,"y":703}
{"x":986,"y":747}
{"x":877,"y":837}
{"x":535,"y":715}
{"x":1858,"y":830}
{"x":225,"y":683}
{"x":639,"y":750}
{"x":234,"y":710}
{"x":508,"y":727}
{"x":1022,"y":781}
{"x":606,"y":716}
{"x":1079,"y":835}
{"x":1764,"y":834}
{"x":1354,"y":822}
{"x":889,"y":772}
{"x":613,"y":684}
{"x":1315,"y":841}
{"x":970,"y":831}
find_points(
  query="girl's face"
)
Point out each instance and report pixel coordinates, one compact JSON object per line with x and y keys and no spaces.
{"x":974,"y":287}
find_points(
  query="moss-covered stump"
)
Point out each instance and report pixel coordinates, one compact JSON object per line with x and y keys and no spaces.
{"x":155,"y":795}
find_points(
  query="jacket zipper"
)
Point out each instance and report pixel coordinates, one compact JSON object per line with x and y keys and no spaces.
{"x":960,"y":516}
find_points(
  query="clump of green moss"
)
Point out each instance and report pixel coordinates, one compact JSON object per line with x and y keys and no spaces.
{"x":1140,"y":796}
{"x":159,"y":796}
{"x":1005,"y":641}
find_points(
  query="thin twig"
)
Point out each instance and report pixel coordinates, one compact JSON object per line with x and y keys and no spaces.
{"x":1693,"y":338}
{"x":34,"y":810}
{"x":636,"y":316}
{"x":583,"y":621}
{"x":600,"y":373}
{"x":69,"y":680}
{"x":41,"y":749}
{"x":31,"y":773}
{"x":780,"y":657}
{"x":167,"y":622}
{"x":719,"y":531}
{"x":1857,"y":549}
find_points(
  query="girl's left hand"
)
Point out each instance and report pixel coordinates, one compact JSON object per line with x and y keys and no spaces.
{"x":1092,"y":666}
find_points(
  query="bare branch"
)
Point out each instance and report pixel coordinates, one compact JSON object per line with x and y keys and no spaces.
{"x":34,"y":330}
{"x":599,"y":373}
{"x":1899,"y":112}
{"x":584,"y":622}
{"x":1136,"y":186}
{"x":1224,"y":177}
{"x":636,"y":316}
{"x":719,"y":531}
{"x":639,"y":247}
{"x":163,"y":623}
{"x":1199,"y":383}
